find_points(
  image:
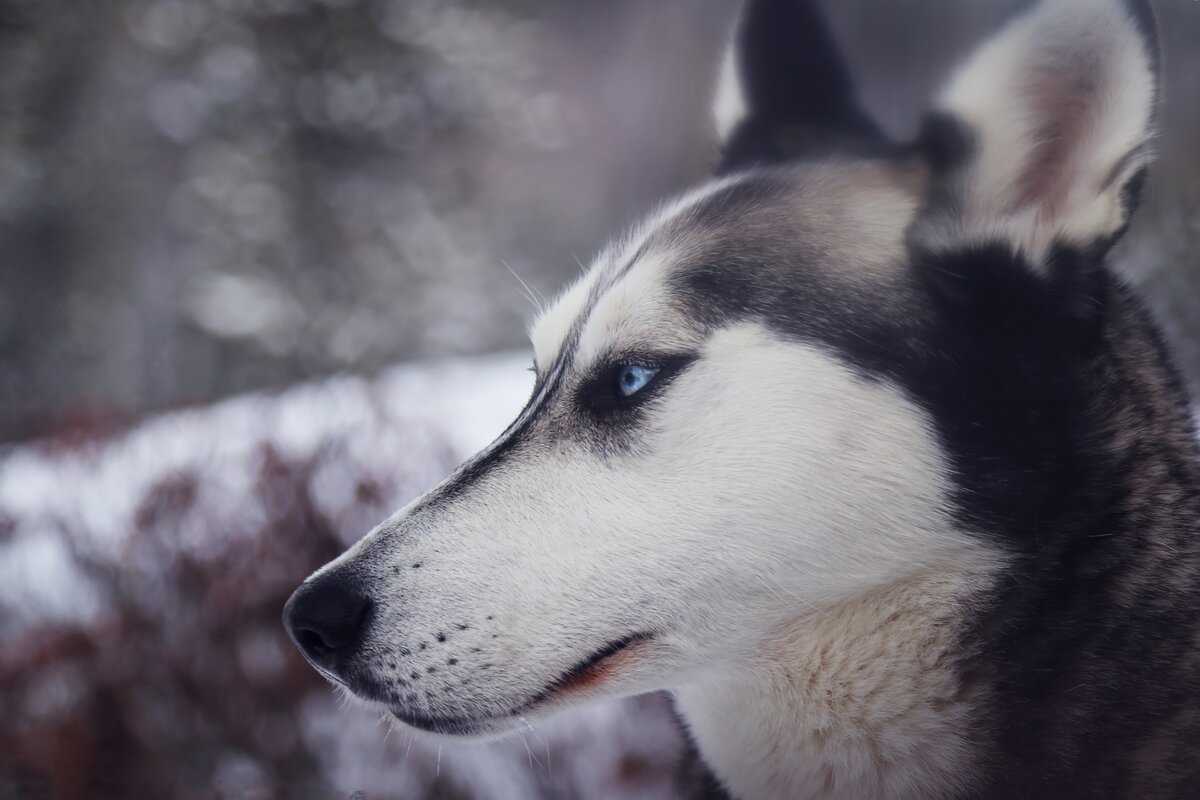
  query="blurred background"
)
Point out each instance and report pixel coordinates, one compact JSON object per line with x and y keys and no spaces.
{"x":320,"y":209}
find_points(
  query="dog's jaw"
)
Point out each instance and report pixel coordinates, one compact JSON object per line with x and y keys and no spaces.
{"x":587,"y":678}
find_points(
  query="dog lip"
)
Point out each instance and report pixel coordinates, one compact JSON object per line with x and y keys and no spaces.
{"x":462,"y":726}
{"x":589,"y":668}
{"x":327,"y":674}
{"x":451,"y":726}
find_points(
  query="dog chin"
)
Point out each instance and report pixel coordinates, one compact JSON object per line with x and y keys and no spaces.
{"x":586,"y":679}
{"x":432,"y":724}
{"x":458,"y":727}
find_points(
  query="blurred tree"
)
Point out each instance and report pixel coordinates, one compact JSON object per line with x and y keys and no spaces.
{"x":199,"y":197}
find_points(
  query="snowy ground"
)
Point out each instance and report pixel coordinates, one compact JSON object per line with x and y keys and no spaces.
{"x":411,"y":424}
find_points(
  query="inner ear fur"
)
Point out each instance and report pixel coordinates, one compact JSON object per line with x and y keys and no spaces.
{"x":1041,"y":138}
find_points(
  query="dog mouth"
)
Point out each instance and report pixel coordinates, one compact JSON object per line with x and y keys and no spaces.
{"x":585,"y":675}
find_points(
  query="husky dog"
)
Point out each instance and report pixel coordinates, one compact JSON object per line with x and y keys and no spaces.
{"x":860,"y":450}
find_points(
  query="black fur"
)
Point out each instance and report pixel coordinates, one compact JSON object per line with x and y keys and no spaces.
{"x":514,"y":438}
{"x":607,"y":421}
{"x":693,"y":779}
{"x":1072,"y":449}
{"x":598,"y":395}
{"x":1066,"y":427}
{"x":1068,"y":433}
{"x":945,"y":144}
{"x":799,"y":97}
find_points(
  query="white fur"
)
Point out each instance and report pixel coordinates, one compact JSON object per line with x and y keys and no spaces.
{"x":550,"y":329}
{"x":737,"y":539}
{"x":1076,"y":71}
{"x":779,"y":523}
{"x":858,"y":701}
{"x":768,"y":491}
{"x":729,"y":102}
{"x":848,"y":689}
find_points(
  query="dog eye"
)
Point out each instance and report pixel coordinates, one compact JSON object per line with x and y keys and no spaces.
{"x":632,"y":378}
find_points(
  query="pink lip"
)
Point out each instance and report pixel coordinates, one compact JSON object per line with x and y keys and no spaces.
{"x":596,"y":669}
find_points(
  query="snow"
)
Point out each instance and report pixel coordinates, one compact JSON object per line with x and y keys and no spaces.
{"x":459,"y":405}
{"x":411,"y":423}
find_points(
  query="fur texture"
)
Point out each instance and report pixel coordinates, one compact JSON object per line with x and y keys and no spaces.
{"x":908,"y":506}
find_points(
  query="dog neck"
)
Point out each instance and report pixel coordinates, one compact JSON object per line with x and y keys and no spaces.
{"x":862,"y":701}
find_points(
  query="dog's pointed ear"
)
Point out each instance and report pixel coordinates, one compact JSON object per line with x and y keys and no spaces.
{"x":784,"y":91}
{"x":1041,"y":139}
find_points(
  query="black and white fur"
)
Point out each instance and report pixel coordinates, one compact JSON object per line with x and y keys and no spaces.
{"x":911,"y":506}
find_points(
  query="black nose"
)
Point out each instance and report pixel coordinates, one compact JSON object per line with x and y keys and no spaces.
{"x":325,"y":618}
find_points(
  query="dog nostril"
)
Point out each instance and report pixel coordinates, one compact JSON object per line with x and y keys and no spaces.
{"x":325,"y":618}
{"x":311,"y":641}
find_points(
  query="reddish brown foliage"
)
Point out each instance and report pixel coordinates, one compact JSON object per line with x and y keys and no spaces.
{"x":186,"y":670}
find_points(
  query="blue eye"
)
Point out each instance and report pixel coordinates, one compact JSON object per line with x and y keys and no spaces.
{"x":632,"y":378}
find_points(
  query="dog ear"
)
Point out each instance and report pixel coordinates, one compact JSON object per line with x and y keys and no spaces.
{"x":784,"y":91}
{"x":1040,"y":141}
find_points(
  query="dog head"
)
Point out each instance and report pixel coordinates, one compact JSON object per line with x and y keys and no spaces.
{"x":776,"y":393}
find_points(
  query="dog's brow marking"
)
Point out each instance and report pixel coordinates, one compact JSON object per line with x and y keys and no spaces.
{"x":642,"y":243}
{"x":484,"y":461}
{"x":671,"y":213}
{"x":834,"y":521}
{"x":626,"y":253}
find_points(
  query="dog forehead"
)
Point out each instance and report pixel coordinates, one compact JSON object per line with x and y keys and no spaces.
{"x":795,"y":223}
{"x":553,"y":325}
{"x":642,"y":247}
{"x":639,"y":313}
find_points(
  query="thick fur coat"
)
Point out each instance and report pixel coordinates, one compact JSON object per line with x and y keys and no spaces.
{"x":861,"y":450}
